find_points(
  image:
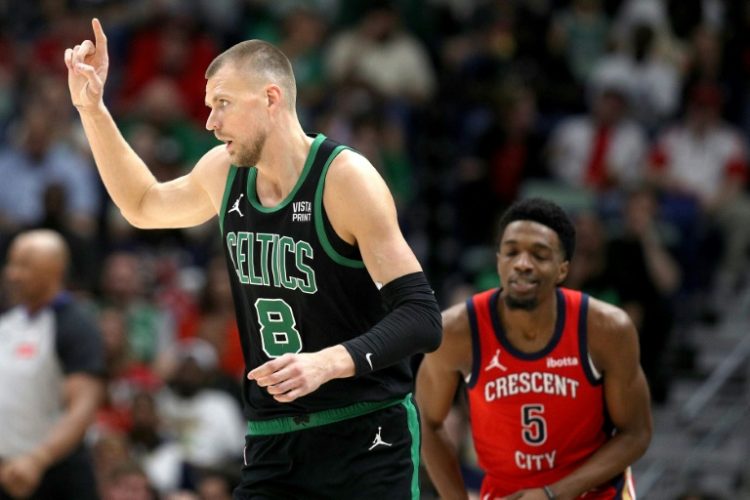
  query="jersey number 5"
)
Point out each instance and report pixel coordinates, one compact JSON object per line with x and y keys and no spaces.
{"x":534,"y":430}
{"x":278,"y":328}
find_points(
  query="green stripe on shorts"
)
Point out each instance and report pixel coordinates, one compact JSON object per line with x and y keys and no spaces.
{"x":412,"y":417}
{"x":283,"y":425}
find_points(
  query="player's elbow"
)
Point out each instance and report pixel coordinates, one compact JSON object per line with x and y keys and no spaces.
{"x":640,"y":439}
{"x":433,"y":334}
{"x":644,"y":438}
{"x":415,"y":310}
{"x":427,"y":329}
{"x":136,"y":220}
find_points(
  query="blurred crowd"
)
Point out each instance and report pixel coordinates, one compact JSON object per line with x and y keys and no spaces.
{"x":632,"y":114}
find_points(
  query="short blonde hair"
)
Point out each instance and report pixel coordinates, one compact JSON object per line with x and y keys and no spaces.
{"x":259,"y":58}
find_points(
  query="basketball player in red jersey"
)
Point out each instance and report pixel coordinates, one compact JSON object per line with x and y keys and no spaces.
{"x":558,"y":402}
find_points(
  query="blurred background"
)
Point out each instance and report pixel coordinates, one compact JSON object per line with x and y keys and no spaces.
{"x":634,"y":115}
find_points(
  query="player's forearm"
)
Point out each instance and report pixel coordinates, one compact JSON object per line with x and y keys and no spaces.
{"x":611,"y":459}
{"x":68,"y":431}
{"x":412,"y":325}
{"x":124,"y":174}
{"x":442,"y":464}
{"x":338,"y":362}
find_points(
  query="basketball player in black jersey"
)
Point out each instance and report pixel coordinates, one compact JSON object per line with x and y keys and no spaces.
{"x":331,"y":302}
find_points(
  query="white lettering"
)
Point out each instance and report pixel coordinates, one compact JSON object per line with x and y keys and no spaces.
{"x":535,"y":462}
{"x":489,"y":394}
{"x":549,"y":379}
{"x":550,"y":458}
{"x":513,"y":384}
{"x":530,"y":382}
{"x":502,"y":387}
{"x":536,"y":378}
{"x":525,"y":384}
{"x":561,"y":362}
{"x":302,"y":206}
{"x":561,"y":386}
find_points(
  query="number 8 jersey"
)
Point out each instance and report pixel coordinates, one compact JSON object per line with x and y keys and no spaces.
{"x":536,"y":417}
{"x":298,"y":287}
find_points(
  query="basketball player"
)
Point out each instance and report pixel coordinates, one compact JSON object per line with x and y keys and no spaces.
{"x":314,"y":250}
{"x":559,"y":406}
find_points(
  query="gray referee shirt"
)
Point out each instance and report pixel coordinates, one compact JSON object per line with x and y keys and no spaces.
{"x":37,"y":352}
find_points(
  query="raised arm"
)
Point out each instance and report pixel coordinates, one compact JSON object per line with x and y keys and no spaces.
{"x":143,"y":201}
{"x":437,"y":381}
{"x":613,"y":343}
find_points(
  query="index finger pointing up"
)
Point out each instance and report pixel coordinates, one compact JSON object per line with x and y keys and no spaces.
{"x":100,"y":37}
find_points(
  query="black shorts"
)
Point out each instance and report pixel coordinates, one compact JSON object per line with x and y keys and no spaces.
{"x":371,"y":456}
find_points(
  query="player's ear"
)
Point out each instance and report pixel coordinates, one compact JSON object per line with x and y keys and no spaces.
{"x":562,"y":272}
{"x":273,"y":95}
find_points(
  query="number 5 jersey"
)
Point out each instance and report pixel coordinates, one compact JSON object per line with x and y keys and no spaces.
{"x":536,"y":417}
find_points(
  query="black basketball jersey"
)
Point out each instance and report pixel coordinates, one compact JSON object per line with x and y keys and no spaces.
{"x":298,"y":287}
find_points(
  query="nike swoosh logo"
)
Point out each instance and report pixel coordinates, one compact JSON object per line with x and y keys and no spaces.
{"x":369,"y":362}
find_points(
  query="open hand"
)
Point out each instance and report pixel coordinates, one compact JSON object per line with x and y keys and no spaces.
{"x":87,"y":65}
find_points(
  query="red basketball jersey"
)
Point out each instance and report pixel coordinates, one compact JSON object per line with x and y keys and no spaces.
{"x":536,"y":417}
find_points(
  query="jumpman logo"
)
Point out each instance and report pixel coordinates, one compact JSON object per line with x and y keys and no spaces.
{"x":495,"y":363}
{"x":236,"y":206}
{"x":379,"y":441}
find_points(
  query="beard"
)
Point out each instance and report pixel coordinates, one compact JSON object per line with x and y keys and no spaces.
{"x":526,"y":304}
{"x":249,"y":157}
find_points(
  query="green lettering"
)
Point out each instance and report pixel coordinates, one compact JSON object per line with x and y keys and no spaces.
{"x":286,"y":245}
{"x":275,"y":265}
{"x":242,"y":238}
{"x":307,"y":284}
{"x":254,"y":263}
{"x":231,"y":249}
{"x":265,"y":240}
{"x":261,"y":259}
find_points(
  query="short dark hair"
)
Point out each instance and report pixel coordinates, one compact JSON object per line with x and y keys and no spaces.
{"x":543,"y":212}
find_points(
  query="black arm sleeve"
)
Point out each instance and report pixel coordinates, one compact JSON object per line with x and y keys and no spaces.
{"x":412,"y":325}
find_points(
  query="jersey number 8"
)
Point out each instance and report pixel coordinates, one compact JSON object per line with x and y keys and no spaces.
{"x":278,"y":328}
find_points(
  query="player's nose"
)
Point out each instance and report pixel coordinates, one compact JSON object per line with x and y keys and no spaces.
{"x":522,"y":261}
{"x":211,"y":122}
